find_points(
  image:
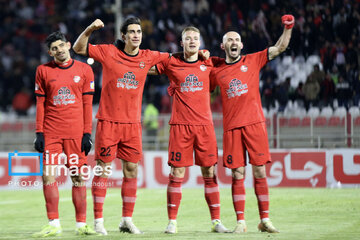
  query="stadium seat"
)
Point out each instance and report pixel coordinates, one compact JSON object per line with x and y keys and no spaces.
{"x":17,"y":126}
{"x":326,"y":112}
{"x":305,"y":122}
{"x":31,"y":126}
{"x":354,"y":111}
{"x":320,"y":121}
{"x":283,"y":121}
{"x":334,"y":121}
{"x":340,"y":112}
{"x":5,"y":127}
{"x":313,"y":112}
{"x":357,"y":121}
{"x":294,"y":122}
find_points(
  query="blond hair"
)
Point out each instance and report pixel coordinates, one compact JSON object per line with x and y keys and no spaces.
{"x":190,"y":28}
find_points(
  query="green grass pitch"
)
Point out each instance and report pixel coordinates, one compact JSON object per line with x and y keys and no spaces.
{"x":298,"y":213}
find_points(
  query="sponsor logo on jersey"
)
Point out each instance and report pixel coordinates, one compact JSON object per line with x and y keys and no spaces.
{"x":191,"y":84}
{"x":203,"y":67}
{"x":128,"y":81}
{"x":92,"y":85}
{"x":243,"y":68}
{"x":141,"y":65}
{"x":236,"y":88}
{"x":76,"y":79}
{"x":64,"y":97}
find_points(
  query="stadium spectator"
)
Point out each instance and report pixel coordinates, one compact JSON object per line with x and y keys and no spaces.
{"x":244,"y":122}
{"x":118,"y":131}
{"x":191,"y":127}
{"x":22,"y":101}
{"x":343,"y":92}
{"x":317,"y":74}
{"x":327,"y":92}
{"x":268,"y":93}
{"x":151,"y":123}
{"x":64,"y":92}
{"x":311,"y":91}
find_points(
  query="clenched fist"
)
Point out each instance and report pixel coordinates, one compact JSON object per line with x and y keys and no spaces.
{"x":97,"y":24}
{"x":288,"y":21}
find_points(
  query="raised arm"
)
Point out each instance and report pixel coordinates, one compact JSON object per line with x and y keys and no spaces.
{"x":283,"y":42}
{"x":80,"y":46}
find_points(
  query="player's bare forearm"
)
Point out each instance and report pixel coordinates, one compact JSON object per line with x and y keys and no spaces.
{"x":153,"y":71}
{"x":80,"y":45}
{"x":281,"y":44}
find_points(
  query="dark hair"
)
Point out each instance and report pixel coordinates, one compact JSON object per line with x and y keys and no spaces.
{"x":54,"y":37}
{"x":132,"y":20}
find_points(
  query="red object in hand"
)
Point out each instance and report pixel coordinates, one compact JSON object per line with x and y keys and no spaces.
{"x":288,"y":21}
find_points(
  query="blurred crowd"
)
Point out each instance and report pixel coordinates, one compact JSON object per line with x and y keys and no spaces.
{"x":329,"y":29}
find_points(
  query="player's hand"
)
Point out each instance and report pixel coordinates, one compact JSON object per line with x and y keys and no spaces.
{"x":171,"y":90}
{"x":86,"y":143}
{"x":97,"y":24}
{"x":204,"y":54}
{"x":288,"y":21}
{"x":39,"y":142}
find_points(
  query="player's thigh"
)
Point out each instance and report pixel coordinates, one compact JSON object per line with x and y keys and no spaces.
{"x":130,"y":146}
{"x":106,"y":141}
{"x":234,"y":151}
{"x":181,"y":142}
{"x":257,"y":144}
{"x":206,"y":152}
{"x":53,"y":151}
{"x":72,"y":149}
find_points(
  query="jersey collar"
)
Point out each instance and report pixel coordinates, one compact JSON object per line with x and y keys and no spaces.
{"x":66,"y":66}
{"x":234,"y":62}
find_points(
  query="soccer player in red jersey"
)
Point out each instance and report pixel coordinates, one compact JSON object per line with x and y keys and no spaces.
{"x":191,"y":127}
{"x":64,"y":91}
{"x":243,"y":119}
{"x":118,"y":132}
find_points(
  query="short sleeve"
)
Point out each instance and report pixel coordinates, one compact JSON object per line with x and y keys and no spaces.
{"x":262,"y":58}
{"x":89,"y":85}
{"x":215,"y":60}
{"x":161,"y":65}
{"x":98,"y":52}
{"x":39,"y":82}
{"x":158,"y":57}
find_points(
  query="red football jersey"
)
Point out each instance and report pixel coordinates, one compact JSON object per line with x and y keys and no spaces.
{"x":191,"y":99}
{"x":123,"y":81}
{"x":239,"y":84}
{"x":63,"y":89}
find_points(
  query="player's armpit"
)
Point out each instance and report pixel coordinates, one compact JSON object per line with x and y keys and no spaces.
{"x":153,"y":71}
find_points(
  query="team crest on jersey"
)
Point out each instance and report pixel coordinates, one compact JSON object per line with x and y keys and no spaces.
{"x":203,"y":67}
{"x":76,"y":79}
{"x":243,"y":68}
{"x":141,"y":65}
{"x":64,"y":97}
{"x":191,"y":84}
{"x":128,"y":81}
{"x":236,"y":88}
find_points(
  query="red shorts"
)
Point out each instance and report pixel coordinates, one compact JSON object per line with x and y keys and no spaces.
{"x":121,"y":140}
{"x":185,"y":139}
{"x":63,"y":151}
{"x":253,"y":139}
